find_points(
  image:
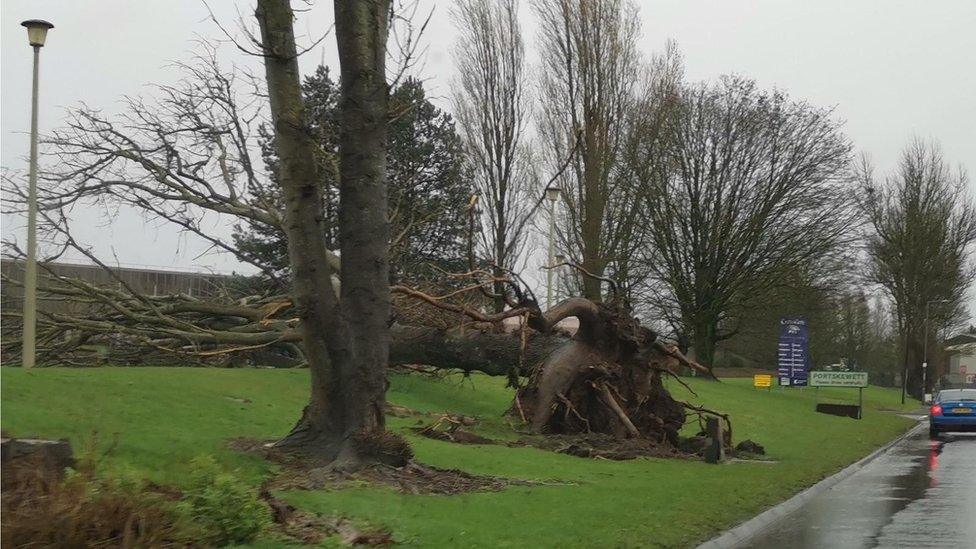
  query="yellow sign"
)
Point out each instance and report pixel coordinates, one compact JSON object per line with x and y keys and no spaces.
{"x":762,"y":380}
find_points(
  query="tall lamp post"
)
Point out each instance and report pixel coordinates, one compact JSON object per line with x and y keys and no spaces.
{"x":560,"y":259}
{"x":36,"y":35}
{"x":552,"y":194}
{"x":925,"y":344}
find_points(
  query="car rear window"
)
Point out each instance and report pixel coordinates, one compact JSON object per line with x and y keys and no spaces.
{"x":957,"y":394}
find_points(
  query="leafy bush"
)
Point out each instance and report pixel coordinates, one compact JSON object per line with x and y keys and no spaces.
{"x":222,"y":508}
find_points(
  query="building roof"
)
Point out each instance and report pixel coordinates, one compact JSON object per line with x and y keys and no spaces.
{"x":962,"y":349}
{"x":959,"y":339}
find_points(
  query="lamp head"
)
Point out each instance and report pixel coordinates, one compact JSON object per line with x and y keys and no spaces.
{"x":37,"y":31}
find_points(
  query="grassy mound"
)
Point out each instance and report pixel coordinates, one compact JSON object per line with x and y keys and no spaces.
{"x":159,"y":419}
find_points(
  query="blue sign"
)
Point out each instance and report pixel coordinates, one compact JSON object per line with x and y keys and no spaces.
{"x":793,"y":353}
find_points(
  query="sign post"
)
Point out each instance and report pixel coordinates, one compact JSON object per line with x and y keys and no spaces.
{"x":858,"y":380}
{"x":926,"y":397}
{"x":762,"y":380}
{"x":793,"y":352}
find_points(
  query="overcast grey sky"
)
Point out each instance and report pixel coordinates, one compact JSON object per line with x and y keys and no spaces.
{"x":893,"y":69}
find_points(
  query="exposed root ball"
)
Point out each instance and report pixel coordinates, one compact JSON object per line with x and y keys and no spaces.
{"x":606,"y":380}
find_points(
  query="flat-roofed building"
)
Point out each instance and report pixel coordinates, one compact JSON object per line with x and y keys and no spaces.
{"x":148,"y":281}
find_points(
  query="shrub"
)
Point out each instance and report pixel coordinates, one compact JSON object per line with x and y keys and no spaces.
{"x":222,"y":508}
{"x":43,"y":508}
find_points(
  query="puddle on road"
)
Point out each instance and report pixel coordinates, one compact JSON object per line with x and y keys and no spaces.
{"x":944,"y":516}
{"x":915,"y":495}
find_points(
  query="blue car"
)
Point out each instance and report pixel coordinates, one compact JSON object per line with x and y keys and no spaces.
{"x":953,"y":410}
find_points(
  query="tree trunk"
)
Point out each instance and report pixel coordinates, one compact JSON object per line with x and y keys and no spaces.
{"x":915,"y":358}
{"x":345,"y":342}
{"x":594,"y":204}
{"x":470,"y":350}
{"x":703,"y":341}
{"x":499,"y":286}
{"x":364,"y":231}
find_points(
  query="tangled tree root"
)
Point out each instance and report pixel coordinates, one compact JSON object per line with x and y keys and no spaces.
{"x":607,"y":380}
{"x":299,"y":473}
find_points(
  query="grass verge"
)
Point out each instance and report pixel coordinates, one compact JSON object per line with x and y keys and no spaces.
{"x":158,"y":419}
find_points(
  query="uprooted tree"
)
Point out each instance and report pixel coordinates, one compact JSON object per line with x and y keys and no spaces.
{"x":607,"y":377}
{"x":189,"y":156}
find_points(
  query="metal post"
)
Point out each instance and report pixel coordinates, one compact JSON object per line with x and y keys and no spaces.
{"x":555,"y":291}
{"x":904,"y":369}
{"x":30,"y":270}
{"x":925,"y":350}
{"x":860,"y":402}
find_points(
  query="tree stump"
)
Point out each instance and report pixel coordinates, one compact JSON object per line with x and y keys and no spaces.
{"x":45,"y":458}
{"x":715,"y":450}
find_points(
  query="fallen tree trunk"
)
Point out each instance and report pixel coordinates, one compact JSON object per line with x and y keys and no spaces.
{"x":470,"y":350}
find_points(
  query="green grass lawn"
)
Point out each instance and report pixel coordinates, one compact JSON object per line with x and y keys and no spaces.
{"x":156,"y":419}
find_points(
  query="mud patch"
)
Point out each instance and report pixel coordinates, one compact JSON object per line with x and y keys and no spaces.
{"x":450,"y":428}
{"x":601,"y":446}
{"x":402,"y":411}
{"x":310,"y":529}
{"x":459,"y":436}
{"x":299,"y":473}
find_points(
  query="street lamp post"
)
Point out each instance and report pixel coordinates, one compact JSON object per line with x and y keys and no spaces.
{"x":552,"y":194}
{"x":925,"y":344}
{"x":560,"y":259}
{"x":36,"y":35}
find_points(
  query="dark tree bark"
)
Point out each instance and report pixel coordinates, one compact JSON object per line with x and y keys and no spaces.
{"x":704,"y":340}
{"x":472,"y":351}
{"x":346,"y":339}
{"x":364,"y":230}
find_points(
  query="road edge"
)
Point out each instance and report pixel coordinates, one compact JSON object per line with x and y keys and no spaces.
{"x":742,"y":533}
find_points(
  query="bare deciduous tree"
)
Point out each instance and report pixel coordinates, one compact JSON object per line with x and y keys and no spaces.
{"x":590,"y":67}
{"x":656,"y":96}
{"x":744,"y":188}
{"x":492,"y":108}
{"x":923,"y":227}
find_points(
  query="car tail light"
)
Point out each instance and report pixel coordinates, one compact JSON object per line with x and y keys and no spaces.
{"x":935,"y":410}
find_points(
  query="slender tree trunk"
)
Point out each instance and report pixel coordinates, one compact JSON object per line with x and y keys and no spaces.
{"x":499,"y":287}
{"x":593,"y":211}
{"x":498,"y":303}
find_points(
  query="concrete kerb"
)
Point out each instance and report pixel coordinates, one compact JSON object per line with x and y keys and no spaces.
{"x":741,"y":534}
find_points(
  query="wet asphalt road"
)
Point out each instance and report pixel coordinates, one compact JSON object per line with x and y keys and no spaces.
{"x":919,"y":494}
